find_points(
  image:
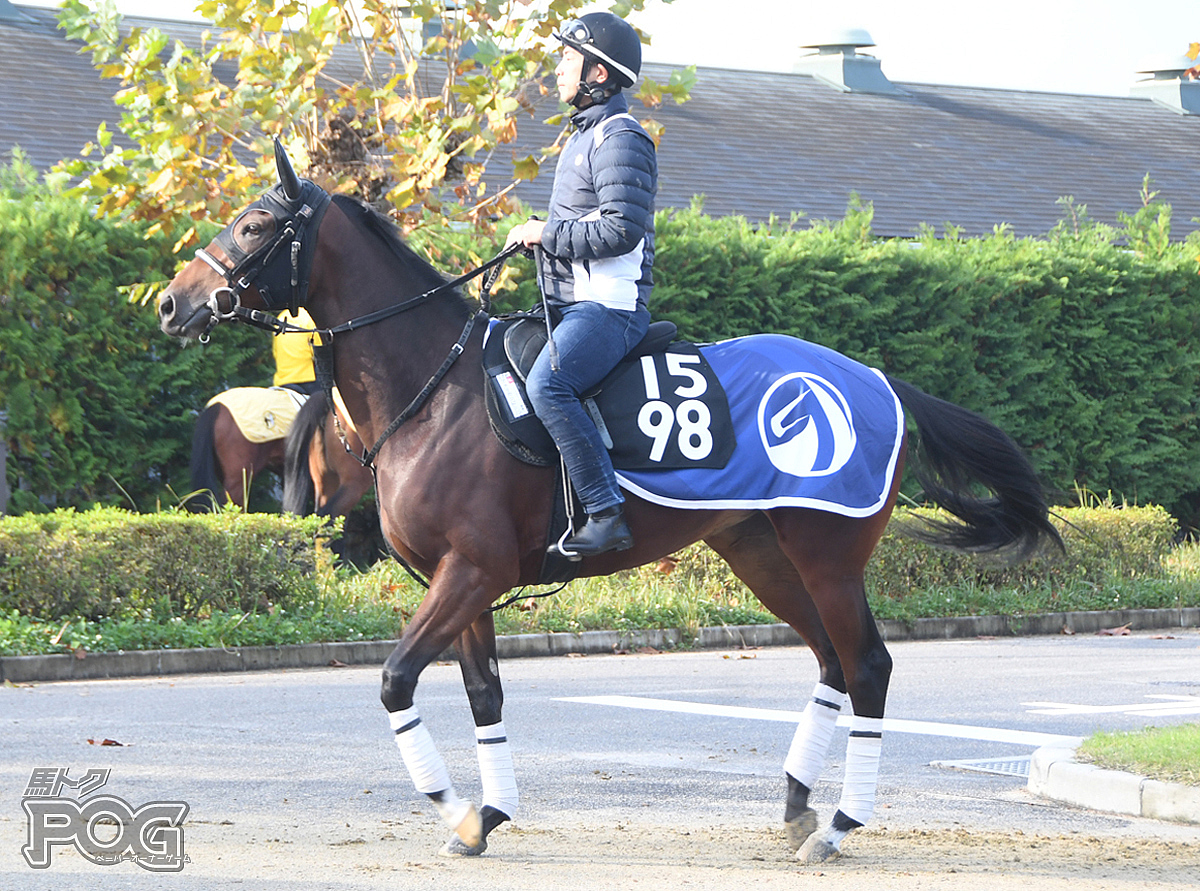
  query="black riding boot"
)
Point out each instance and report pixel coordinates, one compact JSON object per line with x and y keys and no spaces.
{"x":605,"y":530}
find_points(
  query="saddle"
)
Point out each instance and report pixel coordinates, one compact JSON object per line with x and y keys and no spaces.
{"x":644,"y":421}
{"x":262,"y":414}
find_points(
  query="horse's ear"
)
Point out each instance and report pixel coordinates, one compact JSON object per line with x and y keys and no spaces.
{"x":287,"y":176}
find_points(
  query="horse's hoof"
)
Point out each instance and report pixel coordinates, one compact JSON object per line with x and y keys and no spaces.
{"x":470,"y":828}
{"x":817,"y":850}
{"x":456,"y":847}
{"x":800,"y":828}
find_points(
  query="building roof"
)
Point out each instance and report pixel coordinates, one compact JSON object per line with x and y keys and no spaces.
{"x":758,"y":144}
{"x":762,"y":144}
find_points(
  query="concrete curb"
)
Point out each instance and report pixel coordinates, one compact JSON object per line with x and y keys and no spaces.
{"x":1054,"y":773}
{"x":24,"y":669}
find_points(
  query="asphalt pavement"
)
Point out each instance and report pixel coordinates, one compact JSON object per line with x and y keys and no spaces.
{"x":699,"y":735}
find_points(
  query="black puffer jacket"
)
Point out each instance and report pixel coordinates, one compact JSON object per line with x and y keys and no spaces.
{"x":598,"y":243}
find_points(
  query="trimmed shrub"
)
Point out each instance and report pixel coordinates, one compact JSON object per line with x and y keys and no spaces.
{"x":1104,"y":546}
{"x":112,"y":562}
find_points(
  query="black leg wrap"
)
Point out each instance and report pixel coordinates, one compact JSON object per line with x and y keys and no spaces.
{"x":492,"y":818}
{"x":797,"y":799}
{"x":842,"y":823}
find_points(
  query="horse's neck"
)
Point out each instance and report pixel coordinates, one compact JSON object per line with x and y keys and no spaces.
{"x":380,"y":369}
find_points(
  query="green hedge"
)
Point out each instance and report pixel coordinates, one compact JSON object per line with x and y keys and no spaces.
{"x":1085,"y":351}
{"x":1087,"y":354}
{"x":1105,"y":546}
{"x":101,"y":404}
{"x":110,"y":562}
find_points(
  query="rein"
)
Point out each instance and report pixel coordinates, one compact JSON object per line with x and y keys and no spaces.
{"x":268,"y":322}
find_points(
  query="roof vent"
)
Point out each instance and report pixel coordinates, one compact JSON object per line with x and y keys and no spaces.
{"x":9,"y":14}
{"x":1168,"y":84}
{"x":838,"y":64}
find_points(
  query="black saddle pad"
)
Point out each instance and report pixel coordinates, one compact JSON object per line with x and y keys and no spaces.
{"x":662,"y":407}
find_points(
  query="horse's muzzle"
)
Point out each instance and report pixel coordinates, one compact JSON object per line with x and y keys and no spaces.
{"x":176,"y":320}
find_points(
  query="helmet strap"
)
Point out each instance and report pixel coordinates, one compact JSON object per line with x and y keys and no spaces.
{"x":596,"y":91}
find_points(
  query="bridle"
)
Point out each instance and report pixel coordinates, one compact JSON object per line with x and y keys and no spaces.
{"x":295,"y":216}
{"x":297,"y":223}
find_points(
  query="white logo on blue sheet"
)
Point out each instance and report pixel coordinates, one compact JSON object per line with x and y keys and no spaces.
{"x":806,"y":426}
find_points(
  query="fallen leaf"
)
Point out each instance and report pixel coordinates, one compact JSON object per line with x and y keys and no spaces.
{"x":1119,"y":631}
{"x":334,"y":663}
{"x":104,"y":742}
{"x":80,"y":653}
{"x":649,"y":651}
{"x":1163,"y":637}
{"x":1067,"y":629}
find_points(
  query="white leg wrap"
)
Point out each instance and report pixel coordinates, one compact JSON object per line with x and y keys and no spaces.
{"x":806,"y":757}
{"x":425,"y":765}
{"x":496,"y":769}
{"x":862,"y":768}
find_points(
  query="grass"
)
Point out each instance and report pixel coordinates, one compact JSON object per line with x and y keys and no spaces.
{"x":1170,"y":754}
{"x":375,"y":605}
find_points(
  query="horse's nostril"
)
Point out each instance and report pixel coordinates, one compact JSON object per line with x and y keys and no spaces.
{"x":166,"y":306}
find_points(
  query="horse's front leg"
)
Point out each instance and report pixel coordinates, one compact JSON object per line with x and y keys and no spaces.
{"x":458,"y":593}
{"x":481,"y":677}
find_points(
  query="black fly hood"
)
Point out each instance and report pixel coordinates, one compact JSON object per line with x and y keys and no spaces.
{"x":297,"y":207}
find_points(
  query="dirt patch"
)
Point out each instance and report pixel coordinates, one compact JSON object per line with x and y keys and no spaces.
{"x":622,"y":855}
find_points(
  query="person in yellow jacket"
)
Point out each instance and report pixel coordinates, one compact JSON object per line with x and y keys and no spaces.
{"x":293,"y":355}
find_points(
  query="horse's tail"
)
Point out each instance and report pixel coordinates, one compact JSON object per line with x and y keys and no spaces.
{"x":298,"y":490}
{"x":957,"y":450}
{"x":206,"y":481}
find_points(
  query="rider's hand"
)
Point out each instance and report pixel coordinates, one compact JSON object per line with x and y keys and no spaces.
{"x":528,"y":233}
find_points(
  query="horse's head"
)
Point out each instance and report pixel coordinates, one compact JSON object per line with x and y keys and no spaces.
{"x":262,"y":259}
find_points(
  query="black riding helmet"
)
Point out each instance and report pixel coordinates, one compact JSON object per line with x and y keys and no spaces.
{"x":609,"y":39}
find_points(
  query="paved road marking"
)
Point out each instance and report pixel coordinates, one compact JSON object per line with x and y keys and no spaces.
{"x":893,"y":725}
{"x":1175,"y":705}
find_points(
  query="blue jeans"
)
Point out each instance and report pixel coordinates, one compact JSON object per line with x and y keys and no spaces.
{"x":591,"y":340}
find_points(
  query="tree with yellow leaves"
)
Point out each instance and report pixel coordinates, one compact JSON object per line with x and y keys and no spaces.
{"x":440,"y":88}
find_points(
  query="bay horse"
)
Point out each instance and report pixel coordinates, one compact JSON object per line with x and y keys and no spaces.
{"x":224,"y":462}
{"x":319,"y":469}
{"x":456,"y":506}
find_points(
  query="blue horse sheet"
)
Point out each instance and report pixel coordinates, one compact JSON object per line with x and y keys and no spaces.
{"x":812,"y":428}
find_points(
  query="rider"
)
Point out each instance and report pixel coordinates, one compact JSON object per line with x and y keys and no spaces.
{"x":594,"y":266}
{"x":293,"y":355}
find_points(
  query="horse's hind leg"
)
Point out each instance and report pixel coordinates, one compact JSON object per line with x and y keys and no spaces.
{"x":752,"y":551}
{"x":481,"y":677}
{"x":830,"y":552}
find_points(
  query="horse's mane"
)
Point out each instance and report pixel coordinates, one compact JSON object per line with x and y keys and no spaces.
{"x":385,"y":229}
